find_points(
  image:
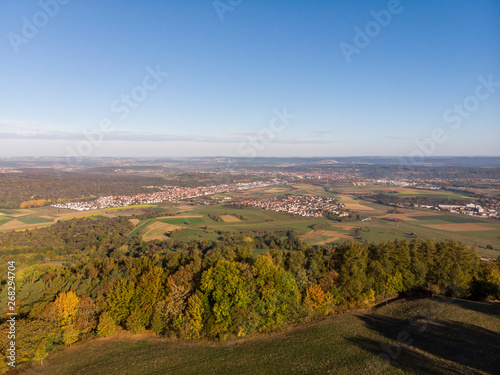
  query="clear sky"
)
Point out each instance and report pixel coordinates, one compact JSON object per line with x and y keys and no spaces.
{"x":249,"y":78}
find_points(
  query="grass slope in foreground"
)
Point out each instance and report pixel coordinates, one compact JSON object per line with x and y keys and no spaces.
{"x":447,"y":337}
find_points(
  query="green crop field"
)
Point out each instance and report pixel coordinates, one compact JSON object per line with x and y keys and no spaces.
{"x":408,"y":336}
{"x":8,"y":212}
{"x":428,"y":194}
{"x":34,"y":220}
{"x":4,"y":220}
{"x":182,"y":220}
{"x":450,"y":218}
{"x":140,"y":226}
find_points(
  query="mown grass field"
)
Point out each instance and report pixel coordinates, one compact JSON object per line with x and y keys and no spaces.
{"x":408,"y":336}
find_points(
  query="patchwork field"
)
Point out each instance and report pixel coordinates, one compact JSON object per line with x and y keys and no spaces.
{"x":423,"y":223}
{"x":14,"y":224}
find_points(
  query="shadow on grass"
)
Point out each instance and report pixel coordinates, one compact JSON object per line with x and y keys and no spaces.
{"x":489,"y":308}
{"x":461,"y":343}
{"x":409,"y":361}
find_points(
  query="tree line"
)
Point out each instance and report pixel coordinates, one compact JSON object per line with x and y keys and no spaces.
{"x":216,"y":290}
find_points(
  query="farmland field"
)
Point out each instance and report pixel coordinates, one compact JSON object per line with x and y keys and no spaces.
{"x":157,"y":230}
{"x":415,"y":222}
{"x":430,"y":194}
{"x":34,"y":220}
{"x":8,"y":212}
{"x":449,"y":218}
{"x":4,"y":220}
{"x":230,"y":219}
{"x":183,"y":220}
{"x":461,"y":227}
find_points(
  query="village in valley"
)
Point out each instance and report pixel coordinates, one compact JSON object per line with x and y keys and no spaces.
{"x":325,"y":203}
{"x":164,"y":194}
{"x":302,"y":205}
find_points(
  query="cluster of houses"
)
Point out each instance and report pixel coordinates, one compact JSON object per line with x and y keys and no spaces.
{"x":302,"y":205}
{"x":316,"y":176}
{"x":165,"y":194}
{"x":470,"y":209}
{"x":400,"y":183}
{"x":9,"y":170}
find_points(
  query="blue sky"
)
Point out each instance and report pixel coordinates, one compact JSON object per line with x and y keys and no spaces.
{"x":232,"y":69}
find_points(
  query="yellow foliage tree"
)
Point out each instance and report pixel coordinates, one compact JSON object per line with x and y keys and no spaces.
{"x":34,"y":203}
{"x":193,"y":317}
{"x":67,"y":304}
{"x":320,"y":301}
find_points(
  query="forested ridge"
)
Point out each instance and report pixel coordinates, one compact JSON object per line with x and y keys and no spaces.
{"x":83,"y":277}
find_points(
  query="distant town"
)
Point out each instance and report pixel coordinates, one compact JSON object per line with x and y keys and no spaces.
{"x":301,"y":205}
{"x":470,"y":209}
{"x":165,"y":194}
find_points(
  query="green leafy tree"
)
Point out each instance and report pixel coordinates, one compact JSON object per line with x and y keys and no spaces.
{"x":351,"y":264}
{"x":106,"y":326}
{"x":150,"y":286}
{"x":135,"y":322}
{"x":486,"y":285}
{"x":158,"y":321}
{"x":277,"y":295}
{"x":224,"y":288}
{"x":393,"y":285}
{"x":118,"y":300}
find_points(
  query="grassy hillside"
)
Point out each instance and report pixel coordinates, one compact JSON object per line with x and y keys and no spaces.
{"x":445,"y":337}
